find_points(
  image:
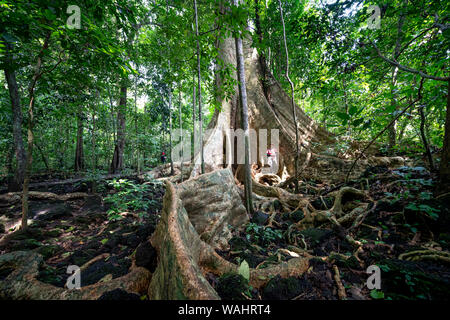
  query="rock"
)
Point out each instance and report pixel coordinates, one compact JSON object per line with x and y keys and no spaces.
{"x":27,"y":244}
{"x":82,"y":256}
{"x":238,"y":244}
{"x":146,"y":256}
{"x":53,"y":233}
{"x":50,"y":210}
{"x":83,"y":220}
{"x":319,"y":204}
{"x":2,"y":228}
{"x":118,"y":294}
{"x":277,"y":205}
{"x":96,"y":271}
{"x":93,"y":203}
{"x":285,"y":289}
{"x":316,"y":235}
{"x":296,"y":216}
{"x":106,"y":278}
{"x":132,"y":240}
{"x":231,"y":286}
{"x":49,"y":251}
{"x":260,"y":218}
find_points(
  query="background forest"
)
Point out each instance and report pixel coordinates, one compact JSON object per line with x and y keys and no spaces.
{"x":107,"y":85}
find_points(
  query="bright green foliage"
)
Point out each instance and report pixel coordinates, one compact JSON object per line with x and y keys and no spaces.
{"x":128,"y":196}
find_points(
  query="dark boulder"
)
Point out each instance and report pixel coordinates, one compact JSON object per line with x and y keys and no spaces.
{"x":285,"y":289}
{"x":146,"y":256}
{"x":260,"y":218}
{"x":119,"y":294}
{"x":231,"y":286}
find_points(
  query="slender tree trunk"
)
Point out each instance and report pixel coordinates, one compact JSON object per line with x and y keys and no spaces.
{"x":392,"y":131}
{"x":294,"y":114}
{"x":43,"y":156}
{"x":93,"y":142}
{"x":117,"y":161}
{"x":244,"y":110}
{"x":79,"y":152}
{"x":445,"y":157}
{"x":181,"y":134}
{"x":172,"y":172}
{"x":10,"y":76}
{"x":194,"y":122}
{"x":344,"y":86}
{"x":200,"y":123}
{"x":136,"y":128}
{"x":424,"y":138}
{"x":30,"y":139}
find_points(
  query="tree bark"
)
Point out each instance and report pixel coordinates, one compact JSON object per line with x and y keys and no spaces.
{"x":172,"y":172}
{"x":445,"y":157}
{"x":30,"y":140}
{"x":117,"y":161}
{"x":294,"y":114}
{"x":181,"y":134}
{"x":200,"y":123}
{"x":79,"y":153}
{"x":424,"y":138}
{"x":10,"y":76}
{"x":244,"y":115}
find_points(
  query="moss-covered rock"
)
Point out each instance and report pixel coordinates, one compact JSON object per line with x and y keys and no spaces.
{"x":260,"y":218}
{"x":296,"y":216}
{"x":231,"y":286}
{"x":53,"y":233}
{"x":284,"y":289}
{"x":49,"y":251}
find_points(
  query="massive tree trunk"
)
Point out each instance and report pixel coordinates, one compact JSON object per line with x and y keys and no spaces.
{"x":16,"y":183}
{"x":117,"y":161}
{"x":269,"y":108}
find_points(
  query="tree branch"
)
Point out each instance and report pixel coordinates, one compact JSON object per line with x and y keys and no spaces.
{"x":419,"y":97}
{"x":408,"y":69}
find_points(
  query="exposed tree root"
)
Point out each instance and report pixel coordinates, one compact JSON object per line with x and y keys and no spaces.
{"x":336,"y":214}
{"x":288,"y":200}
{"x":337,"y":278}
{"x":426,"y":254}
{"x":22,"y":283}
{"x":14,"y":197}
{"x":184,"y":258}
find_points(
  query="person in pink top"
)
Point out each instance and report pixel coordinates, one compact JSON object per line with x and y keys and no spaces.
{"x":271,"y":156}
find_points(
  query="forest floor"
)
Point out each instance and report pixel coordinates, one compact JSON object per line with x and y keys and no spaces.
{"x":85,"y":232}
{"x":406,"y":219}
{"x":95,"y":234}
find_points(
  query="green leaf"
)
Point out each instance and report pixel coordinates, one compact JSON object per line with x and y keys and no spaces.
{"x":342,"y":115}
{"x":353,"y":110}
{"x":375,"y":294}
{"x":244,"y":270}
